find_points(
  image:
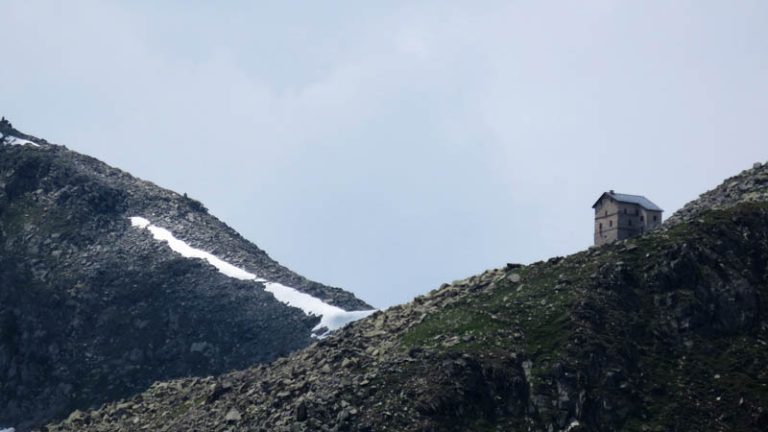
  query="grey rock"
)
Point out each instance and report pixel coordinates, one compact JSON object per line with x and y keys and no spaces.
{"x":233,"y":416}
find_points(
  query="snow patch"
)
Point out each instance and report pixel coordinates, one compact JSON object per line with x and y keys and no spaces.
{"x":188,"y":251}
{"x":12,"y":140}
{"x":331,"y":317}
{"x":574,"y":424}
{"x":139,"y":222}
{"x":7,"y":430}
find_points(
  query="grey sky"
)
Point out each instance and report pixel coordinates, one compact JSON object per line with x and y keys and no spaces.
{"x":388,"y":148}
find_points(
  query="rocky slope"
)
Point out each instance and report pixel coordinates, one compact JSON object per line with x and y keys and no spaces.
{"x":664,"y":332}
{"x":747,"y":186}
{"x":93,"y":309}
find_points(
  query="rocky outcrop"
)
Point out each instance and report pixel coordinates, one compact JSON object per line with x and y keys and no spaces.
{"x":93,"y":309}
{"x":668,"y":331}
{"x":750,"y":185}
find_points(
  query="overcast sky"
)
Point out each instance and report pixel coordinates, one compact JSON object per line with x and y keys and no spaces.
{"x":387,"y":147}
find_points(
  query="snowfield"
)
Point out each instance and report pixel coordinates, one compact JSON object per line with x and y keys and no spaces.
{"x":8,"y":430}
{"x":331,"y":317}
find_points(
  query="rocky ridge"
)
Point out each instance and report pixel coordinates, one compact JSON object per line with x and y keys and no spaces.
{"x":663,"y":332}
{"x":750,"y":185}
{"x":93,"y":309}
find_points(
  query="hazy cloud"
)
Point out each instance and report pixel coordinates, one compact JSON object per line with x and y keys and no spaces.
{"x":389,"y":148}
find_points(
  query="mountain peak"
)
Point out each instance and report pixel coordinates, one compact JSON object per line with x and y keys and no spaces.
{"x":95,"y":308}
{"x":5,"y":126}
{"x":11,"y":135}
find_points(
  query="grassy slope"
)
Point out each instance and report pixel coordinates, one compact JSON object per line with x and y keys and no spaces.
{"x":700,"y":377}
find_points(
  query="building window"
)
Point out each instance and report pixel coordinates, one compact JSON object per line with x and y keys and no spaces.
{"x":610,"y":223}
{"x":625,"y":211}
{"x":641,"y":219}
{"x":655,"y":218}
{"x":606,"y":212}
{"x":601,"y":227}
{"x":637,"y":212}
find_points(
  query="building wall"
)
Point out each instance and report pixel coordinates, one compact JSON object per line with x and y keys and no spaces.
{"x":606,"y":221}
{"x":618,"y":221}
{"x":650,"y":222}
{"x":629,"y":223}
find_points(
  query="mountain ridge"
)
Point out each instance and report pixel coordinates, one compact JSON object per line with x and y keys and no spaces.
{"x":667,"y":331}
{"x":93,"y":309}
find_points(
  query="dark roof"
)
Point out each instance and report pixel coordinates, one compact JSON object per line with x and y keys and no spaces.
{"x":630,"y":199}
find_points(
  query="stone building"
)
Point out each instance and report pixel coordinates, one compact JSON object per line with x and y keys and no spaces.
{"x":620,"y":216}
